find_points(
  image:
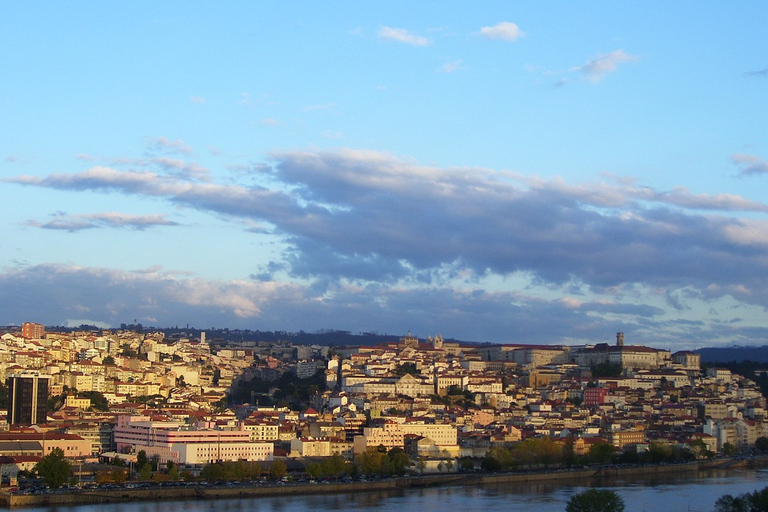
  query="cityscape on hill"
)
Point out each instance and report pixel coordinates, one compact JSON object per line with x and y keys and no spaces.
{"x":138,"y":404}
{"x":248,"y":248}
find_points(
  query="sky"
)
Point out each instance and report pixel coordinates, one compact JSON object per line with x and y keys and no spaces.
{"x":512,"y":172}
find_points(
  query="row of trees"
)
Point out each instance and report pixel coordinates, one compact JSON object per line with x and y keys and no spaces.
{"x":544,"y":452}
{"x":242,"y":471}
{"x":749,"y":502}
{"x":603,"y":500}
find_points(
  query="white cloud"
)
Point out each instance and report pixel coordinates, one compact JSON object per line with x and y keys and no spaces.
{"x":165,"y":145}
{"x":369,"y":216}
{"x":66,"y":222}
{"x":380,"y":236}
{"x":196,"y":99}
{"x":108,"y":297}
{"x":403,"y":36}
{"x":452,"y":66}
{"x":505,"y":30}
{"x":183,"y":169}
{"x":599,"y":67}
{"x":750,"y":164}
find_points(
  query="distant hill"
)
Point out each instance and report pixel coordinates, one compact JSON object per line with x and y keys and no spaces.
{"x":738,"y":354}
{"x":330,"y":337}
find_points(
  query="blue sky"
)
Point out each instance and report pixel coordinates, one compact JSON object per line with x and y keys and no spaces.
{"x":507,"y":172}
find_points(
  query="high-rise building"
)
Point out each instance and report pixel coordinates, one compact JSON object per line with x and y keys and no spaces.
{"x":27,"y":399}
{"x":32,"y":330}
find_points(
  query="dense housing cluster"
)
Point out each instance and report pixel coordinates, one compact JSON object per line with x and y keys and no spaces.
{"x":125,"y":398}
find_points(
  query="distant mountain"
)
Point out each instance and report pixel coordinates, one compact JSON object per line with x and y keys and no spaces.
{"x":738,"y":354}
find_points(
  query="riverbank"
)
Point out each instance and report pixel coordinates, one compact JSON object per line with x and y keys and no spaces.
{"x":585,"y":476}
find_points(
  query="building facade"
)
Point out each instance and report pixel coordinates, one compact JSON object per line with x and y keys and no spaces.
{"x":27,"y":399}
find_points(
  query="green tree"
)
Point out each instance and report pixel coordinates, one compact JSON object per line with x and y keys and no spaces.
{"x":278,"y":469}
{"x":728,"y":503}
{"x":606,"y":370}
{"x":141,"y":459}
{"x":145,"y":472}
{"x":406,"y":368}
{"x":729,"y":449}
{"x":600,"y":453}
{"x":399,"y":461}
{"x":212,"y":472}
{"x":466,"y":464}
{"x":535,"y":451}
{"x":659,"y":452}
{"x":374,"y":462}
{"x":315,"y":470}
{"x":98,"y":400}
{"x":118,"y":476}
{"x":750,"y":502}
{"x":54,"y":469}
{"x":761,"y":443}
{"x":595,"y":500}
{"x":3,"y":396}
{"x":335,"y":465}
{"x":108,"y":360}
{"x":498,"y":458}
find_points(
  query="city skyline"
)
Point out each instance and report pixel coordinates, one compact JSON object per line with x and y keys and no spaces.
{"x":526,"y":173}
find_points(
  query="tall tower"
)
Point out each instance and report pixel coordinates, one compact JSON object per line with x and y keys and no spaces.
{"x":27,"y":399}
{"x":619,"y":339}
{"x":410,"y":341}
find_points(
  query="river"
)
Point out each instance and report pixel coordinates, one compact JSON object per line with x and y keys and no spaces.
{"x":679,"y":494}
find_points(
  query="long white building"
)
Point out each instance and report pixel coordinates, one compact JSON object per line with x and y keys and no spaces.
{"x":183,"y":444}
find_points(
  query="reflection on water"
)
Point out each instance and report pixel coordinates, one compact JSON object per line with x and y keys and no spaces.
{"x":665,"y":492}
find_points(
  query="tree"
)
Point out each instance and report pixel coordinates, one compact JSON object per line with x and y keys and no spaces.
{"x":750,"y":502}
{"x":118,"y":476}
{"x":406,"y":368}
{"x":335,"y":465}
{"x":374,"y":462}
{"x":466,"y":464}
{"x":600,"y":453}
{"x":141,"y":459}
{"x":98,"y":400}
{"x":54,"y":469}
{"x":606,"y":370}
{"x":108,"y":360}
{"x":212,"y":472}
{"x":400,"y":462}
{"x":761,"y":443}
{"x":3,"y":396}
{"x":145,"y":472}
{"x":728,"y":503}
{"x":729,"y":449}
{"x":595,"y":500}
{"x":278,"y":469}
